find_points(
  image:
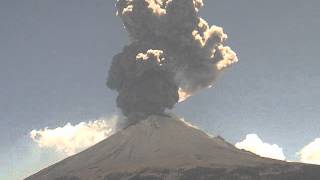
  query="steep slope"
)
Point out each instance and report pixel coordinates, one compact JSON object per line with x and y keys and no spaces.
{"x":160,"y":148}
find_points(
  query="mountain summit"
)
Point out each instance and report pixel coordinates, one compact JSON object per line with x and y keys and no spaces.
{"x":167,"y":148}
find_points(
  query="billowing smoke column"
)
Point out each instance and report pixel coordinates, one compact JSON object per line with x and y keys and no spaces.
{"x":173,"y":53}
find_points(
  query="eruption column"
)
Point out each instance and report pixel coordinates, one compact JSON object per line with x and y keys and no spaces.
{"x":173,"y":54}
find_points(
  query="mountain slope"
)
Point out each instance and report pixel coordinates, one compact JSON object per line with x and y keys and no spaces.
{"x":162,"y":148}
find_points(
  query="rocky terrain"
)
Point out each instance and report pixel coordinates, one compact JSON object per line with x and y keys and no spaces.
{"x":167,"y":148}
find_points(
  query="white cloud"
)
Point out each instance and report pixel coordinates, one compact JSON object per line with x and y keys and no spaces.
{"x":311,"y":153}
{"x":255,"y":145}
{"x":71,"y":139}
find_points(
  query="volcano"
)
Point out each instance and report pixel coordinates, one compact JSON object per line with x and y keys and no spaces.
{"x":167,"y":148}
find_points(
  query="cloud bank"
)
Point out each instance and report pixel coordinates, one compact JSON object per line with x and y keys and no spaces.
{"x":71,"y":139}
{"x":311,"y":153}
{"x":254,"y":144}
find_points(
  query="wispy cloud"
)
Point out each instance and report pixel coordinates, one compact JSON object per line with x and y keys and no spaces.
{"x":254,"y":144}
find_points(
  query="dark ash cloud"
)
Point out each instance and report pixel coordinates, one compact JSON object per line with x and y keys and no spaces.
{"x":173,"y":54}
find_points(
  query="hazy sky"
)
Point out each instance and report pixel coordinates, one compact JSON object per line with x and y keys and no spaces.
{"x":54,"y":57}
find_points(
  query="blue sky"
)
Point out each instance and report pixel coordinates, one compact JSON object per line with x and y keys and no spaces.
{"x":54,"y":57}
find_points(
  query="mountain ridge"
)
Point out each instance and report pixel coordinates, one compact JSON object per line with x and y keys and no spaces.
{"x":165,"y":148}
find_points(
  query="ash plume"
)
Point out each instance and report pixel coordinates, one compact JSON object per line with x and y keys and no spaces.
{"x":173,"y":54}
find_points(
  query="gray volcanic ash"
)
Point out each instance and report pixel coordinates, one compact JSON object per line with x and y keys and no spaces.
{"x":173,"y":53}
